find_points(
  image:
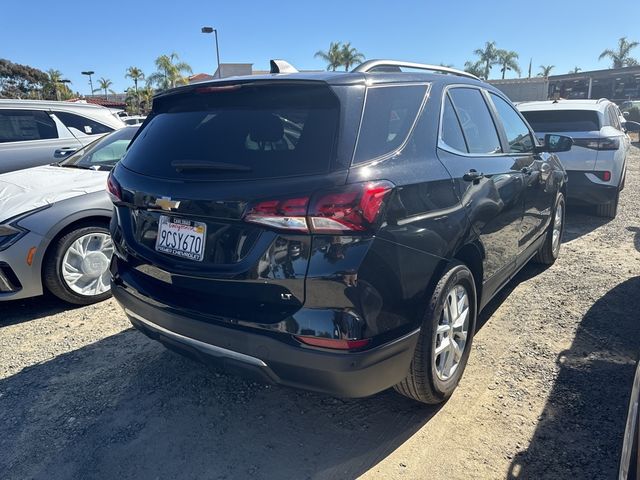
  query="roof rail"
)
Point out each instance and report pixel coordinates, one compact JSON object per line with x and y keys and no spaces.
{"x":395,"y":65}
{"x":603,"y":100}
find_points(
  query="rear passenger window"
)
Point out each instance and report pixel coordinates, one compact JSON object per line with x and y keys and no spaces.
{"x":82,"y":124}
{"x":23,"y":125}
{"x":451,"y":129}
{"x":388,"y":116}
{"x":518,"y":134}
{"x":475,"y":119}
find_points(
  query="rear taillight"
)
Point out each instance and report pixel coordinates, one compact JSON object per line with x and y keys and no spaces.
{"x":336,"y":344}
{"x":604,"y":175}
{"x":352,"y":208}
{"x":113,"y":187}
{"x":607,"y":143}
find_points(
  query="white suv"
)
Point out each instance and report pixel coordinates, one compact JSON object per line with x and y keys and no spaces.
{"x":596,"y":164}
{"x":34,"y":132}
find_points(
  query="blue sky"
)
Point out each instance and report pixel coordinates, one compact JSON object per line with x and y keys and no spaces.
{"x":109,"y":36}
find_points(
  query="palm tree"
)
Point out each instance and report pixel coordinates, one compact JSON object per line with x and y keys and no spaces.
{"x":52,"y":83}
{"x":350,"y":56}
{"x":620,"y":57}
{"x":575,"y":70}
{"x":135,"y":74}
{"x":488,"y":57}
{"x":474,"y":68}
{"x":170,"y":72}
{"x":545,"y":70}
{"x":146,"y":98}
{"x":508,"y":60}
{"x":104,"y":83}
{"x":333,"y":56}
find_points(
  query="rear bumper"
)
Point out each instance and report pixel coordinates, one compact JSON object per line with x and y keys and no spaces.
{"x":267,"y":358}
{"x":582,"y":191}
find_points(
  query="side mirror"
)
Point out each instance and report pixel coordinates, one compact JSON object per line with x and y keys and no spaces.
{"x":630,"y":126}
{"x":556,"y":143}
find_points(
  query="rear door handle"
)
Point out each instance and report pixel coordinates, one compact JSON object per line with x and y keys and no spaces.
{"x":64,"y":152}
{"x":472,"y":175}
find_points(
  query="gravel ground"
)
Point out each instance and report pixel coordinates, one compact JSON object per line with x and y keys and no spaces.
{"x":82,"y":395}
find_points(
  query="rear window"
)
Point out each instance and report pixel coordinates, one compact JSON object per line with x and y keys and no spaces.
{"x":563,"y":120}
{"x":241,"y":132}
{"x":389,"y":114}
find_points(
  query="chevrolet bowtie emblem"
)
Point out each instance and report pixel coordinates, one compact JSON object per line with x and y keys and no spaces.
{"x":165,"y":203}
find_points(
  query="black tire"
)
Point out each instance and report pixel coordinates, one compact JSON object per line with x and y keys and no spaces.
{"x":422,"y":382}
{"x":609,"y":210}
{"x":52,"y":268}
{"x":547,"y":254}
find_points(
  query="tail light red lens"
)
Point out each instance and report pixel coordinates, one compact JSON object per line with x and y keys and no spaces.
{"x":113,"y":187}
{"x":353,"y":208}
{"x":336,"y":344}
{"x":604,"y":175}
{"x":607,"y":143}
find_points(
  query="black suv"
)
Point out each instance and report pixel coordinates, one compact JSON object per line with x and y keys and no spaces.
{"x":337,"y":232}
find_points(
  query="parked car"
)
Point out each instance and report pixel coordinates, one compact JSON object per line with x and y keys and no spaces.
{"x":34,"y":132}
{"x":596,"y":164}
{"x":334,"y":232}
{"x":134,"y":119}
{"x":630,"y":456}
{"x":54,"y":225}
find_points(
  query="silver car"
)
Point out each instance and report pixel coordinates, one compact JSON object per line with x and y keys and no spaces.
{"x":596,"y":164}
{"x":34,"y":132}
{"x":54,"y":225}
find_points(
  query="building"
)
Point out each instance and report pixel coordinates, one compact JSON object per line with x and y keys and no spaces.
{"x":617,"y":84}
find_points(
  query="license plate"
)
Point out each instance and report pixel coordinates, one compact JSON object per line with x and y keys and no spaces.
{"x":182,"y":238}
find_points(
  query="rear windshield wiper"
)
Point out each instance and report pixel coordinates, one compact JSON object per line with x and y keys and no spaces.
{"x":185,"y":165}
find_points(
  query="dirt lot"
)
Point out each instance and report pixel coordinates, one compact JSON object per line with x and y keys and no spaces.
{"x":544,"y":396}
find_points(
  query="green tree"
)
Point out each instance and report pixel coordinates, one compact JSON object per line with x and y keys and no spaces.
{"x":20,"y":81}
{"x":488,"y":57}
{"x":575,"y":70}
{"x":474,"y":68}
{"x":621,"y":56}
{"x":145,"y":96}
{"x":350,"y":56}
{"x":545,"y":70}
{"x":170,"y":72}
{"x":55,"y":87}
{"x":508,"y":60}
{"x":333,"y":56}
{"x":135,"y":74}
{"x":105,"y":86}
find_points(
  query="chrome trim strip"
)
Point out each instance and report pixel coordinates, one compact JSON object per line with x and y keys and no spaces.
{"x":205,"y":347}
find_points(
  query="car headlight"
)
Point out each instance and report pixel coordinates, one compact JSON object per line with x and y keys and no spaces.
{"x":11,"y":232}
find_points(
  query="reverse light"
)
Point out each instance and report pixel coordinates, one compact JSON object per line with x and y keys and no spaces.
{"x":334,"y":343}
{"x":113,"y":187}
{"x":352,"y":208}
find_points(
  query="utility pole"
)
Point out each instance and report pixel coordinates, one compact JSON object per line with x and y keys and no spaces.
{"x":89,"y":73}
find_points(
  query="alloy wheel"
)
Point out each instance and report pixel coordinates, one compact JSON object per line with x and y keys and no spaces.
{"x":451,"y":333}
{"x":85,"y":265}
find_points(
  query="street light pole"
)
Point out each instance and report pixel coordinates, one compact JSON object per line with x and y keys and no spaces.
{"x":215,"y":32}
{"x":89,"y":73}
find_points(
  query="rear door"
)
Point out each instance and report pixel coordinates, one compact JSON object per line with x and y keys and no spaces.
{"x":489,"y":183}
{"x":540,"y":192}
{"x":32,"y":137}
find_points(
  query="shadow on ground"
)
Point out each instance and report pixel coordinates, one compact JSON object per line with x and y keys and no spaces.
{"x":580,"y":221}
{"x":125,"y":407}
{"x":583,"y":417}
{"x":18,"y":311}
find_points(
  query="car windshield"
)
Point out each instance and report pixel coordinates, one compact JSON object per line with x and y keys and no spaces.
{"x":563,"y":120}
{"x":104,"y":153}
